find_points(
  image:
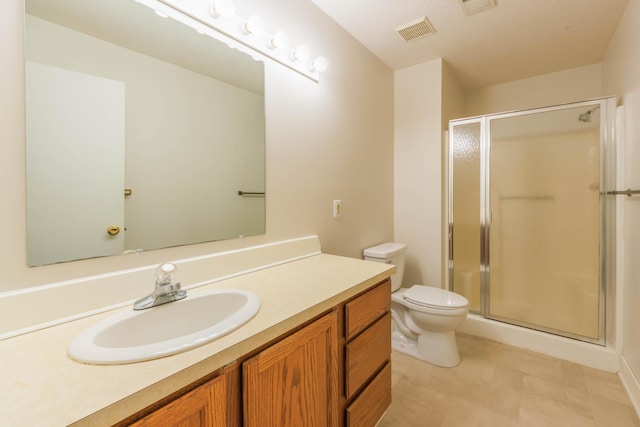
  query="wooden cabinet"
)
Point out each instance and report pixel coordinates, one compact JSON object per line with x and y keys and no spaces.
{"x":368,"y":356}
{"x":212,"y":404}
{"x":334,"y":371}
{"x":370,"y":405}
{"x":216,"y":403}
{"x":295,"y":381}
{"x":193,"y":409}
{"x":365,"y":309}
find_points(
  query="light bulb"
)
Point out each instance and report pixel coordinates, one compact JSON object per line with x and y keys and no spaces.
{"x":280,"y":41}
{"x":254,"y":25}
{"x":224,"y":8}
{"x":320,"y":64}
{"x":301,"y":54}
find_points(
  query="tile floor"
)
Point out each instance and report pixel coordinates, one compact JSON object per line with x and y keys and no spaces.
{"x":497,"y":385}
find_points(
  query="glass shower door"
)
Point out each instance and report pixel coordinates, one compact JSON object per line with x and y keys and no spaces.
{"x":531,"y":231}
{"x":544,"y":207}
{"x":464,"y":212}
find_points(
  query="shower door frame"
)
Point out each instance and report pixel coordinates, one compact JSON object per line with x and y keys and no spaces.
{"x":606,"y":248}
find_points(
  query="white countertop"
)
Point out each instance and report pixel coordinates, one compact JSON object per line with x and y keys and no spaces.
{"x":42,"y":386}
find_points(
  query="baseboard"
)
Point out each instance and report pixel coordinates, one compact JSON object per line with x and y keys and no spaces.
{"x":630,"y":383}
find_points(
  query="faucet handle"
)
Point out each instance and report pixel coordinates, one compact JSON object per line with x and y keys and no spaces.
{"x":164,"y":273}
{"x":165,"y":291}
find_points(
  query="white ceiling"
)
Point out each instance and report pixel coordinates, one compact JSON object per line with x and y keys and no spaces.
{"x":515,"y":40}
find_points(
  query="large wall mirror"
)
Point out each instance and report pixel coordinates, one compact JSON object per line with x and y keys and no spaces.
{"x":141,"y":133}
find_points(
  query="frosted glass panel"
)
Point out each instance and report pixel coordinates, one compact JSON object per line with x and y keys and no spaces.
{"x":465,"y":166}
{"x":545,"y":217}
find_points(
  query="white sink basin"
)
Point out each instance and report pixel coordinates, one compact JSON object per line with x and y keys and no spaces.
{"x":134,"y":336}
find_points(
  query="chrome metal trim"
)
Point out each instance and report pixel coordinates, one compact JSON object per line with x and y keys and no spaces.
{"x":607,"y":258}
{"x":627,"y":192}
{"x":485,"y":216}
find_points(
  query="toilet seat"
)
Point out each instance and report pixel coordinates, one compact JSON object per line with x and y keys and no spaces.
{"x":430,"y":297}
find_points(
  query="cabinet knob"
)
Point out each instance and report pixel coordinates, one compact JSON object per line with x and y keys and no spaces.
{"x":113,"y":230}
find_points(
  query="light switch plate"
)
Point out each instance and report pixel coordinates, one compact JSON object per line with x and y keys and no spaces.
{"x":337,"y":208}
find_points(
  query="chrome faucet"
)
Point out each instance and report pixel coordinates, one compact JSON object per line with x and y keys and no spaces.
{"x":165,"y":290}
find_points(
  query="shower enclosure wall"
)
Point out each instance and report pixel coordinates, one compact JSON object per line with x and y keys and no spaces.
{"x":530,"y":220}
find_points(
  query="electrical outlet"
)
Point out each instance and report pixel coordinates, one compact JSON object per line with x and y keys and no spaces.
{"x":337,"y":208}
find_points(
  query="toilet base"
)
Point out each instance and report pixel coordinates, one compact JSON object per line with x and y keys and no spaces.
{"x":437,"y":348}
{"x":402,"y":344}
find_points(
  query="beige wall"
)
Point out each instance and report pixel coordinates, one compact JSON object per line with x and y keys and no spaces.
{"x":418,"y":174}
{"x":326,"y":141}
{"x":453,"y":97}
{"x":621,"y":76}
{"x":577,"y":84}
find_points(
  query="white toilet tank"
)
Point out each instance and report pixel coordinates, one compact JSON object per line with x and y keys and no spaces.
{"x":389,"y":253}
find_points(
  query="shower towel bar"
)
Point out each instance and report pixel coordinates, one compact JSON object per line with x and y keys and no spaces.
{"x":246,"y":193}
{"x":627,"y":192}
{"x":526,"y":197}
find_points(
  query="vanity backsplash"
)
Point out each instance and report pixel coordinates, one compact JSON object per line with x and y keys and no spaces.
{"x":55,"y":303}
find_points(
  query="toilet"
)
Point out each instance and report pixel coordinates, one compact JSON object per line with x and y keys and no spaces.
{"x":424,"y":318}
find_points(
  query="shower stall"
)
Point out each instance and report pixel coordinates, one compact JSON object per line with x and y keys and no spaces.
{"x":531,"y":217}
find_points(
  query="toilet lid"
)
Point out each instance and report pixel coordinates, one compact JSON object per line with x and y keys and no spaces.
{"x":434,"y":297}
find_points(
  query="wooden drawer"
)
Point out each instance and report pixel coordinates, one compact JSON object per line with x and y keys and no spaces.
{"x":366,"y":354}
{"x":365,"y":309}
{"x":369,"y":407}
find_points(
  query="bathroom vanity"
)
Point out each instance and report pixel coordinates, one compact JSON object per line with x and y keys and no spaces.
{"x":317,"y":353}
{"x":298,"y":380}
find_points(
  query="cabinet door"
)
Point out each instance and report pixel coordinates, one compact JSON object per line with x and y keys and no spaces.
{"x":295,"y":381}
{"x":206,"y":406}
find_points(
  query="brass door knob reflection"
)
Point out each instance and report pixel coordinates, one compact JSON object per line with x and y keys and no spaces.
{"x":113,"y":230}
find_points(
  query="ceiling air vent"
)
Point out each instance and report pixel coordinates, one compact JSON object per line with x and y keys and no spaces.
{"x":416,"y":29}
{"x":471,"y":7}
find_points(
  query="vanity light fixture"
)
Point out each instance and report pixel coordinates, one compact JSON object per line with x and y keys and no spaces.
{"x":218,"y":19}
{"x":222,"y":8}
{"x":301,"y":53}
{"x":280,"y":41}
{"x":320,"y":64}
{"x":254,"y":25}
